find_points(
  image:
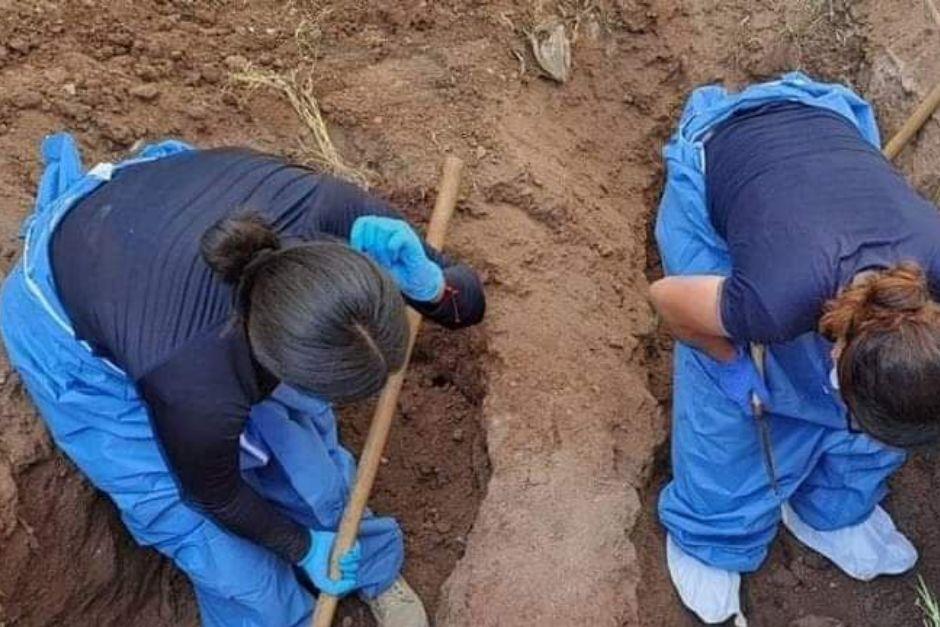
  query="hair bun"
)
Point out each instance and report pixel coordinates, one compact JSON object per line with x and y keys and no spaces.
{"x":233,"y":243}
{"x":901,"y":288}
{"x":883,"y":301}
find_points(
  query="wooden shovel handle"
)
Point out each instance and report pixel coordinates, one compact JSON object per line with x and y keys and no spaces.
{"x":387,"y":404}
{"x":921,"y":114}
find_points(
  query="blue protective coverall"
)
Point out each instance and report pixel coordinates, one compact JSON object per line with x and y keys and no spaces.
{"x":290,"y":450}
{"x":720,"y":506}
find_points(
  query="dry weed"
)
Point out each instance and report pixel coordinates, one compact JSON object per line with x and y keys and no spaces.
{"x":318,"y":150}
{"x":927,"y":602}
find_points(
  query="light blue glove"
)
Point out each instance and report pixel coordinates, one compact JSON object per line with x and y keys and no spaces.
{"x":396,"y":247}
{"x":739,"y":380}
{"x":317,"y":565}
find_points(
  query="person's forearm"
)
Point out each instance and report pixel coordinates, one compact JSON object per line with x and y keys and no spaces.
{"x":688,"y":305}
{"x":717,"y":347}
{"x":252,"y":517}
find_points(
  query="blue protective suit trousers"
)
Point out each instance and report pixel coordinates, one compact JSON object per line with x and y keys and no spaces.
{"x":291,"y":453}
{"x":720,"y":506}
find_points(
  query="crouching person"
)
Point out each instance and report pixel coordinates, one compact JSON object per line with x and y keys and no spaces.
{"x":781,"y":223}
{"x":184,"y":322}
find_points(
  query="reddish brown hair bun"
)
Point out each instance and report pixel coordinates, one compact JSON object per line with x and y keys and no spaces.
{"x":889,"y":368}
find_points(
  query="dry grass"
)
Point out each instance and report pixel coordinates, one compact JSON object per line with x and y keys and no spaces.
{"x":928,"y":604}
{"x":317,"y":150}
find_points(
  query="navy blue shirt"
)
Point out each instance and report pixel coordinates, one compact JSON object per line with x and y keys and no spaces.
{"x":805,"y":203}
{"x":129,"y":272}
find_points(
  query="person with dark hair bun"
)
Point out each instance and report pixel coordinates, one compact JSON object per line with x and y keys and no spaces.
{"x":185,"y":321}
{"x":782,"y":224}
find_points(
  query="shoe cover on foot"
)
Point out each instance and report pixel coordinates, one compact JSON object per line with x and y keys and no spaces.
{"x":864,"y":551}
{"x":398,"y":606}
{"x":712,"y":593}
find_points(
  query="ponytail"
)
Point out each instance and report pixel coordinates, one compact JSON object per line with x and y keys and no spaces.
{"x":319,"y":316}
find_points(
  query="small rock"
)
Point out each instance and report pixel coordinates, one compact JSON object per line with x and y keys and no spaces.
{"x":783,"y":578}
{"x":27,"y":100}
{"x":211,"y":74}
{"x":347,"y":621}
{"x":236,"y":62}
{"x":443,"y":527}
{"x":19,"y":45}
{"x":146,"y":73}
{"x":147,"y":93}
{"x":552,"y":50}
{"x":117,"y":133}
{"x":817,"y":621}
{"x":176,"y":55}
{"x":206,"y":16}
{"x":195,"y":112}
{"x":480,"y":152}
{"x":457,"y":435}
{"x":816,"y":561}
{"x":69,"y":88}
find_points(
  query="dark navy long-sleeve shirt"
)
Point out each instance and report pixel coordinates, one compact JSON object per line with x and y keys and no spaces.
{"x":129,"y":272}
{"x":805,"y":203}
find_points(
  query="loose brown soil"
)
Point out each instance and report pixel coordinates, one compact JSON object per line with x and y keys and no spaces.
{"x":526,"y":460}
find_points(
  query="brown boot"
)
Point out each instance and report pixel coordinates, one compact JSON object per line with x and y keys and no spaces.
{"x":398,"y":606}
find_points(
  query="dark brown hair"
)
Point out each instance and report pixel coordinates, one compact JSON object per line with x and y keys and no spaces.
{"x":889,"y":368}
{"x":319,"y":316}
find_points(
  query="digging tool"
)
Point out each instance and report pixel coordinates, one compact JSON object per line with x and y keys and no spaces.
{"x":758,"y":351}
{"x":921,"y":114}
{"x":758,"y":354}
{"x":387,"y":403}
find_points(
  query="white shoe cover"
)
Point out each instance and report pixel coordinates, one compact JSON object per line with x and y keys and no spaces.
{"x":712,"y":593}
{"x":864,"y":551}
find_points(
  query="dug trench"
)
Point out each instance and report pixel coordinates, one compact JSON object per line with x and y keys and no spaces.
{"x":880,"y":50}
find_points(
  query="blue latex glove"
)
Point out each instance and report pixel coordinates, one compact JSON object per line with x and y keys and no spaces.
{"x":739,"y":379}
{"x":317,"y":565}
{"x":395,"y":246}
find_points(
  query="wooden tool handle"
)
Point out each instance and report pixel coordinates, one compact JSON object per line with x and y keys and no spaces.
{"x":913,"y":124}
{"x":387,"y":404}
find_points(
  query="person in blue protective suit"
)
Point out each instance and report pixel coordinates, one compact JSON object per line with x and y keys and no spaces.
{"x":184,"y":320}
{"x":782,"y":224}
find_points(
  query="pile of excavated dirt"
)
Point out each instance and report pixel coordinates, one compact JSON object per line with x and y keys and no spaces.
{"x":528,"y":454}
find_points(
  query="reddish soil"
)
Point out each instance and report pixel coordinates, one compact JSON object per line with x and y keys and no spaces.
{"x":525,"y":465}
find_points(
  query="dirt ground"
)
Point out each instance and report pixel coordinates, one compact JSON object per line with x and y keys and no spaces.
{"x":529,"y":452}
